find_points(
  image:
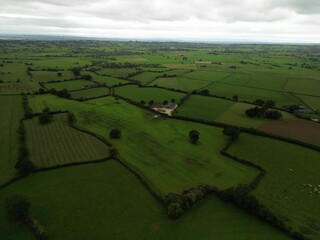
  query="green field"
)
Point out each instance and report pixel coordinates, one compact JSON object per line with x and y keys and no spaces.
{"x":11,"y":113}
{"x":207,"y":75}
{"x":251,"y":94}
{"x":89,"y":93}
{"x":46,"y":76}
{"x":69,"y":85}
{"x":109,"y":81}
{"x":161,"y":156}
{"x":220,"y":110}
{"x":180,"y":83}
{"x":304,"y":86}
{"x":290,"y":186}
{"x":312,"y":102}
{"x":102,"y":191}
{"x":147,"y":77}
{"x":18,"y":88}
{"x":146,"y":94}
{"x":117,"y":72}
{"x":57,"y":143}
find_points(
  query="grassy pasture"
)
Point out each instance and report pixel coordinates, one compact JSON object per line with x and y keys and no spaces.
{"x":11,"y":72}
{"x":160,"y":154}
{"x":304,"y":86}
{"x":220,"y":110}
{"x":267,"y":81}
{"x":104,"y":189}
{"x":251,"y":94}
{"x":109,"y":81}
{"x":45,"y":76}
{"x":312,"y":102}
{"x":137,"y":94}
{"x":18,"y":88}
{"x":285,"y":188}
{"x":69,"y":85}
{"x":89,"y":93}
{"x":57,"y":143}
{"x":147,"y":77}
{"x":117,"y":72}
{"x":207,"y":75}
{"x":11,"y":113}
{"x":180,"y":83}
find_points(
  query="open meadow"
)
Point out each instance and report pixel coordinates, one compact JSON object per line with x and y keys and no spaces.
{"x":157,"y":140}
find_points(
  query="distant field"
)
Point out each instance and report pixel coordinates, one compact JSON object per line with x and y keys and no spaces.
{"x":180,"y":83}
{"x":267,"y":81}
{"x":220,"y":110}
{"x":146,"y":94}
{"x":104,"y":189}
{"x":147,"y":77}
{"x":160,"y":154}
{"x":18,"y":88}
{"x":45,"y":76}
{"x":109,"y":81}
{"x":207,"y":75}
{"x":312,"y":102}
{"x":11,"y":113}
{"x":69,"y":85}
{"x":117,"y":72}
{"x":11,"y":72}
{"x":89,"y":93}
{"x":57,"y":143}
{"x":251,"y":94}
{"x":304,"y":85}
{"x":285,"y":188}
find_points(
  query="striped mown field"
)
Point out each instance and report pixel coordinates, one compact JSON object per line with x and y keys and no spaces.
{"x":57,"y":143}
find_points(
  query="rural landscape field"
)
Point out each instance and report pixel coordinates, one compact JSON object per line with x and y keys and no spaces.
{"x":159,"y":140}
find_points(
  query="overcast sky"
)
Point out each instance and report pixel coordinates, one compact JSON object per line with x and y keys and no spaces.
{"x":248,"y":20}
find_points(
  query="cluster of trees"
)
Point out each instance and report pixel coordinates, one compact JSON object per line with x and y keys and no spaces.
{"x":18,"y":209}
{"x":45,"y":117}
{"x":267,"y":104}
{"x":64,"y":93}
{"x":176,"y":204}
{"x":263,"y":112}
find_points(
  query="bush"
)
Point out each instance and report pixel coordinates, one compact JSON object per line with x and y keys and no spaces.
{"x":45,"y":116}
{"x":115,"y":134}
{"x":194,"y":136}
{"x":174,"y":210}
{"x":17,"y":208}
{"x":71,"y":118}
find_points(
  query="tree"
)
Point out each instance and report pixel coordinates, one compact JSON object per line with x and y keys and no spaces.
{"x":270,"y":104}
{"x":232,"y":132}
{"x":235,"y":98}
{"x":194,"y":136}
{"x":87,"y":77}
{"x":71,"y":118}
{"x":174,"y":210}
{"x":143,"y":102}
{"x":17,"y":208}
{"x":115,"y":133}
{"x":173,"y":100}
{"x":76,"y":71}
{"x":151,"y":102}
{"x":204,"y":92}
{"x":165,"y":102}
{"x":59,"y":74}
{"x":25,"y":166}
{"x":259,"y":102}
{"x":45,"y":116}
{"x":117,"y":99}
